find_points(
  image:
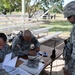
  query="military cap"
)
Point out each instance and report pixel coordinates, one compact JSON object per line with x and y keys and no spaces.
{"x":69,"y":9}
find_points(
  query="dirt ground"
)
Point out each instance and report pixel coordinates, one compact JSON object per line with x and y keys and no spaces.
{"x":59,"y":63}
{"x":59,"y":43}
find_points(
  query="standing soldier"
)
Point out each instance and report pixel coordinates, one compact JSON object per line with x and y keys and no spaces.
{"x":69,"y":50}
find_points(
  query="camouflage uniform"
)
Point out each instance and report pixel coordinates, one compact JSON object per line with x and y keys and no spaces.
{"x":5,"y":50}
{"x":3,"y":72}
{"x":21,"y":47}
{"x":69,"y":53}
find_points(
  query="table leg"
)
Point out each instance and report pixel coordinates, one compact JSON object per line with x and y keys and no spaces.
{"x":51,"y":64}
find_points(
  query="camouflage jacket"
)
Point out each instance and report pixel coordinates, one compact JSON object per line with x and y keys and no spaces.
{"x":5,"y":50}
{"x":70,"y":66}
{"x":3,"y":72}
{"x":21,"y":47}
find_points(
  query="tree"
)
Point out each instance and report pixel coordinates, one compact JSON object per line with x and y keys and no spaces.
{"x":31,"y":9}
{"x":47,"y":4}
{"x":44,"y":5}
{"x":9,"y":5}
{"x":15,"y":5}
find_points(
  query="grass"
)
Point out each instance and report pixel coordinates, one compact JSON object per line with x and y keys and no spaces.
{"x":58,"y":25}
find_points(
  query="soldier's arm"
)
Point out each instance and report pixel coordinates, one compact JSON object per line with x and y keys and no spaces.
{"x":70,"y":65}
{"x":17,"y":49}
{"x":16,"y":43}
{"x":36,"y":43}
{"x":1,"y":57}
{"x":16,"y":46}
{"x":5,"y":50}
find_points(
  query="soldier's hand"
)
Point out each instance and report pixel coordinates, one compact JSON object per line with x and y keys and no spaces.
{"x":66,"y":72}
{"x":37,"y":49}
{"x":32,"y":52}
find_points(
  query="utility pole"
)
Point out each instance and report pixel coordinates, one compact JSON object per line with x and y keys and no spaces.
{"x":23,"y":8}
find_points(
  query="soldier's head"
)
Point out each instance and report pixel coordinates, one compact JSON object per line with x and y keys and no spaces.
{"x":3,"y":40}
{"x":27,"y":35}
{"x":69,"y":12}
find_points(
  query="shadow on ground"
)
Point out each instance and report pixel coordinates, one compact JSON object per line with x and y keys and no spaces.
{"x":58,"y":64}
{"x":59,"y":43}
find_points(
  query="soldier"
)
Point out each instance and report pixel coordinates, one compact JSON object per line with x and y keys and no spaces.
{"x":69,"y":51}
{"x":3,"y":72}
{"x":4,"y":47}
{"x":21,"y":44}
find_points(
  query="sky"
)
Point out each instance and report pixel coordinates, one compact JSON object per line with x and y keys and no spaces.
{"x":67,"y":1}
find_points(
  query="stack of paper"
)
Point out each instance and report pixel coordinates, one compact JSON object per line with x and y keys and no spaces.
{"x":34,"y":71}
{"x":23,"y":69}
{"x":9,"y":63}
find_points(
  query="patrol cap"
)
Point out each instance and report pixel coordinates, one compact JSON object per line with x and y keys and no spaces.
{"x":69,"y":9}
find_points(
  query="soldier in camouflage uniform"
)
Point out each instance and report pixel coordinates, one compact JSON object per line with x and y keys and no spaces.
{"x":4,"y":47}
{"x":69,"y":49}
{"x":21,"y":44}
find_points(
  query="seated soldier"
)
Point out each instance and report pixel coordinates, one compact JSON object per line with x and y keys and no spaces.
{"x":21,"y":44}
{"x":4,"y":47}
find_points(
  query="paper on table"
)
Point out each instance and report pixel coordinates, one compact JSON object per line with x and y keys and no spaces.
{"x":8,"y":68}
{"x":7,"y":59}
{"x":34,"y":71}
{"x":19,"y":71}
{"x":8,"y":63}
{"x":25,"y":61}
{"x":12,"y":62}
